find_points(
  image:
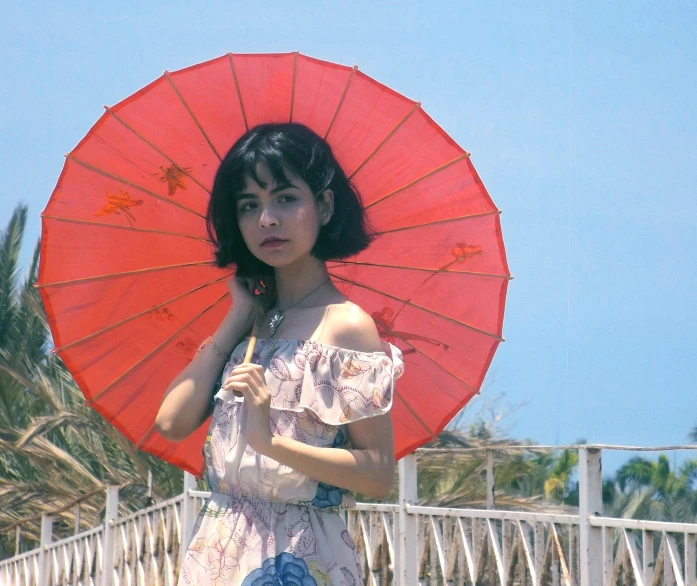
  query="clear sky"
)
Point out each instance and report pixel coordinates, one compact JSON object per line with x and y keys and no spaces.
{"x":582,"y":122}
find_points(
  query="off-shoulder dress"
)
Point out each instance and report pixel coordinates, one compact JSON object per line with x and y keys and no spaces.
{"x":264,"y":522}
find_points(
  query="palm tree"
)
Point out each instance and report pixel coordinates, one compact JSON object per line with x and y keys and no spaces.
{"x":645,"y":489}
{"x":54,"y":450}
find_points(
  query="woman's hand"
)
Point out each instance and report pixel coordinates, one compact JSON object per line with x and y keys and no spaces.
{"x":250,"y":295}
{"x":248,"y":379}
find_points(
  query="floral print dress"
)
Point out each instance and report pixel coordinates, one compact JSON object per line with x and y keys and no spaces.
{"x":264,"y":522}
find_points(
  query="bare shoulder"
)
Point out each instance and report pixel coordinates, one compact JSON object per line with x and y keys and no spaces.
{"x":354,"y":329}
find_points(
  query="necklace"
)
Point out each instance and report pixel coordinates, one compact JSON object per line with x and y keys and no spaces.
{"x":278,"y":316}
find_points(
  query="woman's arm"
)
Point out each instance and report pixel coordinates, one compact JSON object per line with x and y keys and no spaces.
{"x":368,"y":468}
{"x":185,"y":405}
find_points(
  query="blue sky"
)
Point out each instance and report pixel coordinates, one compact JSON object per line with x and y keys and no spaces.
{"x":581,"y":118}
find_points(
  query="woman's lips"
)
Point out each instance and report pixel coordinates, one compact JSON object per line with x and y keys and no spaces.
{"x":274,"y":243}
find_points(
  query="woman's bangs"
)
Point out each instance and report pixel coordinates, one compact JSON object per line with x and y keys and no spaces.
{"x":272,"y":158}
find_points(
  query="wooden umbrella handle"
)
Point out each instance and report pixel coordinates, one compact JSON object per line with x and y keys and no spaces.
{"x":253,"y":338}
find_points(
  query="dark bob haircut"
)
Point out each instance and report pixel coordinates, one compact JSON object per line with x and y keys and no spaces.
{"x":295,"y":147}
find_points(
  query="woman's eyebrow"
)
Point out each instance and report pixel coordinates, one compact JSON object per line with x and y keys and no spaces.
{"x":280,"y":187}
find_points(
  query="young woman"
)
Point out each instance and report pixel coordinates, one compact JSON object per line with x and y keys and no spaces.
{"x":307,"y":422}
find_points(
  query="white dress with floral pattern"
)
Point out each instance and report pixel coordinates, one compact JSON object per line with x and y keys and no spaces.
{"x":264,"y":522}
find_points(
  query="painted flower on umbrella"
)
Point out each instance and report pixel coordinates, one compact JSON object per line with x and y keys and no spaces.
{"x":118,"y":203}
{"x":385,"y":322}
{"x":174,"y":177}
{"x":464,"y":251}
{"x":283,"y":570}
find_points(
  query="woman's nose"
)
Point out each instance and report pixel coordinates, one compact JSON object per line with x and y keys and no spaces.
{"x":267,"y":218}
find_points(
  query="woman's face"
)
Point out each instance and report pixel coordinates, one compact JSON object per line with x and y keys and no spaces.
{"x":285,"y":211}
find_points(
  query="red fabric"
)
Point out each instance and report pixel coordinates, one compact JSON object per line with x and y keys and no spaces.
{"x":126,"y":271}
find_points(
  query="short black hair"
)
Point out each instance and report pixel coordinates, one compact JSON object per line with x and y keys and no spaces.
{"x":299,"y":149}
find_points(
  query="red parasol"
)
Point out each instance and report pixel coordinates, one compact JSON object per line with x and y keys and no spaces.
{"x":126,"y":273}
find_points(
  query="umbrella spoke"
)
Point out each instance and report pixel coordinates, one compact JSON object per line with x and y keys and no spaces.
{"x":292,"y":87}
{"x":427,"y":270}
{"x":145,"y":437}
{"x":415,"y":416}
{"x":142,"y":313}
{"x":415,"y":181}
{"x":121,"y":227}
{"x":135,"y":185}
{"x":154,"y":350}
{"x":186,"y":106}
{"x":341,"y":101}
{"x":445,"y":221}
{"x":151,"y":145}
{"x":239,"y":93}
{"x":124,"y":274}
{"x":409,"y":303}
{"x":406,"y":117}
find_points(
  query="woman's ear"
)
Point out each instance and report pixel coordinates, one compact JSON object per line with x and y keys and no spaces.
{"x":326,"y":206}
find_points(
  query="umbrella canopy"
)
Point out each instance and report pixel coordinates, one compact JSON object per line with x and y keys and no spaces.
{"x":126,"y":270}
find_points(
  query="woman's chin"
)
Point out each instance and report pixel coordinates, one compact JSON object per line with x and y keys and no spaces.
{"x":279,"y":261}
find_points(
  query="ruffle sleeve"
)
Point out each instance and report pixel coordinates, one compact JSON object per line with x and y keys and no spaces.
{"x":337,"y":384}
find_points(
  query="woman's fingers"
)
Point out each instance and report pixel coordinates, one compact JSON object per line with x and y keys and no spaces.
{"x":246,"y":374}
{"x":256,"y":371}
{"x":241,"y":390}
{"x":240,"y":382}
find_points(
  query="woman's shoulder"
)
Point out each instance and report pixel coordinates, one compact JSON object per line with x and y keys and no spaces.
{"x":351,"y":327}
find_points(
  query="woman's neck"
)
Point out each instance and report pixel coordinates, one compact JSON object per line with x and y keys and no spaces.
{"x":295,"y":281}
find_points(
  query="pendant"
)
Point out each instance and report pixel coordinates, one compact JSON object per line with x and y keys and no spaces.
{"x":275,"y":322}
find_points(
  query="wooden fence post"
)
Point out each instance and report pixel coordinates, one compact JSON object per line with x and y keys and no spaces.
{"x":408,"y":567}
{"x":590,"y":503}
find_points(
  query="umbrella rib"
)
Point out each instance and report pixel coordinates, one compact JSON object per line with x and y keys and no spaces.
{"x":127,"y":182}
{"x":292,"y":87}
{"x":441,"y":270}
{"x":123,"y":274}
{"x":154,"y":350}
{"x":411,"y":410}
{"x":414,"y":108}
{"x":152,"y":146}
{"x":341,"y":101}
{"x":416,"y":306}
{"x":445,"y":221}
{"x":183,"y":101}
{"x":239,"y":93}
{"x":445,"y":165}
{"x":119,"y":227}
{"x":137,"y":315}
{"x":145,"y":437}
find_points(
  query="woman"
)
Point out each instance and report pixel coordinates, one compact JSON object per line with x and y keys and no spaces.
{"x":320,"y":376}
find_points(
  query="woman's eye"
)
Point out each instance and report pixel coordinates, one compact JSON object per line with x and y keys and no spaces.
{"x":248,"y":207}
